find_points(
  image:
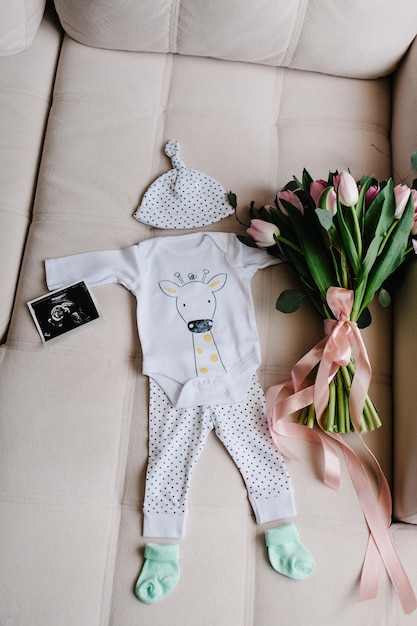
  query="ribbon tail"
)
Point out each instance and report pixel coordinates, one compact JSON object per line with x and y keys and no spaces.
{"x":370,"y":572}
{"x":278,"y":407}
{"x":378,"y":518}
{"x":304,"y":366}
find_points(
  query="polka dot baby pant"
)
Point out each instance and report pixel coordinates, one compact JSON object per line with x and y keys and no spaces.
{"x":176,"y":439}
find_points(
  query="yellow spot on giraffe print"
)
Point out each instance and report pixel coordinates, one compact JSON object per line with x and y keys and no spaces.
{"x":203,"y":370}
{"x":214,"y":358}
{"x":199,"y":350}
{"x":207,"y":337}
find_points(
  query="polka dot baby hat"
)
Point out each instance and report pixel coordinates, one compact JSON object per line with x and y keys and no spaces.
{"x":183,"y":198}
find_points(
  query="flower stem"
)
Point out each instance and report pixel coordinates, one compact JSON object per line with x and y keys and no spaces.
{"x":303,"y":416}
{"x":369,"y":407}
{"x":337,"y":416}
{"x":340,"y":402}
{"x":391,"y":228}
{"x":311,"y":415}
{"x":343,"y":269}
{"x":331,"y":407}
{"x":288,"y":243}
{"x":357,"y":231}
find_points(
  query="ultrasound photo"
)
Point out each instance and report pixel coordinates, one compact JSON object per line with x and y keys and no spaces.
{"x":64,"y":310}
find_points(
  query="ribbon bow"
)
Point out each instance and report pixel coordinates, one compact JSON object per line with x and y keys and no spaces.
{"x":285,"y":399}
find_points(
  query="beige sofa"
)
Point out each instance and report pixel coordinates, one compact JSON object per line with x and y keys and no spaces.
{"x":254,"y":92}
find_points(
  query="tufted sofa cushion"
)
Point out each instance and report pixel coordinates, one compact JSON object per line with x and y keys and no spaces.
{"x":353,"y":39}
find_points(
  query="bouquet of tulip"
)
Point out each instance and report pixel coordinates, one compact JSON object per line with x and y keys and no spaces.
{"x":344,"y":239}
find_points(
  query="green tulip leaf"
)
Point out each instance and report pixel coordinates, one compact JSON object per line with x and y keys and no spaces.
{"x":315,"y":256}
{"x":393,"y":255}
{"x":346,"y":236}
{"x":414,"y":160}
{"x":289,"y":301}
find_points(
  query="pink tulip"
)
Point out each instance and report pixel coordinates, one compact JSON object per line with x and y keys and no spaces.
{"x":263,"y":233}
{"x":371,"y":194}
{"x":316,"y":189}
{"x":347,"y":188}
{"x":290,"y":197}
{"x":401,"y":193}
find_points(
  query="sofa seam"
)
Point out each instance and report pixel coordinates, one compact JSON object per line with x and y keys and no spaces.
{"x":25,"y":92}
{"x":20,"y":345}
{"x":187,"y":110}
{"x":104,"y":608}
{"x":15,"y":213}
{"x":46,"y":216}
{"x":128,"y":404}
{"x":44,"y":499}
{"x":120,"y":482}
{"x":311,"y":121}
{"x":173,"y":25}
{"x":160,"y":124}
{"x":296,"y":33}
{"x":274,"y":116}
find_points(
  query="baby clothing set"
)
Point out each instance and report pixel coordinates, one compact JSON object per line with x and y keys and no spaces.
{"x":200,"y":347}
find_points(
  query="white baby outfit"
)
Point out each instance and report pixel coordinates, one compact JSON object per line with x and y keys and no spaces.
{"x":201,"y":351}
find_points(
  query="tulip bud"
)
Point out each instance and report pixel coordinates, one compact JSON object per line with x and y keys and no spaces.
{"x":263,"y":233}
{"x":401,"y":193}
{"x":371,"y":194}
{"x":347,"y":189}
{"x":290,"y":197}
{"x":316,"y":189}
{"x":328,"y":200}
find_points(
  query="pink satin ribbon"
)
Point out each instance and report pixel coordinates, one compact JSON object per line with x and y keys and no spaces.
{"x":286,"y":399}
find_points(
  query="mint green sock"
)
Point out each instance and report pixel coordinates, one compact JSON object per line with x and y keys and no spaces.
{"x":287,"y":554}
{"x":160,"y":572}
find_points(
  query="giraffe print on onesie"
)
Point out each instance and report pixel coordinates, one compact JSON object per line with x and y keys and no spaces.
{"x":196,"y":304}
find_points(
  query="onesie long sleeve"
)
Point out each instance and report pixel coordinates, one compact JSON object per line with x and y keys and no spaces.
{"x":195,"y":312}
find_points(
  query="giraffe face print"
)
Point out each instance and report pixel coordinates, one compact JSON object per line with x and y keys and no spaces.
{"x":196,"y":305}
{"x":195,"y":300}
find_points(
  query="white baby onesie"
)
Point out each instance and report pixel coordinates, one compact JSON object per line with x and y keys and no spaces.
{"x":200,"y":350}
{"x":195,"y":312}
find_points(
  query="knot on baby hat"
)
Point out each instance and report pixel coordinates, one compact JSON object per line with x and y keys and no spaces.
{"x":183,"y":198}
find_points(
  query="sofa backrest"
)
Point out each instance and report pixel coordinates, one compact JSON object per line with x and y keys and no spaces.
{"x":350,"y":38}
